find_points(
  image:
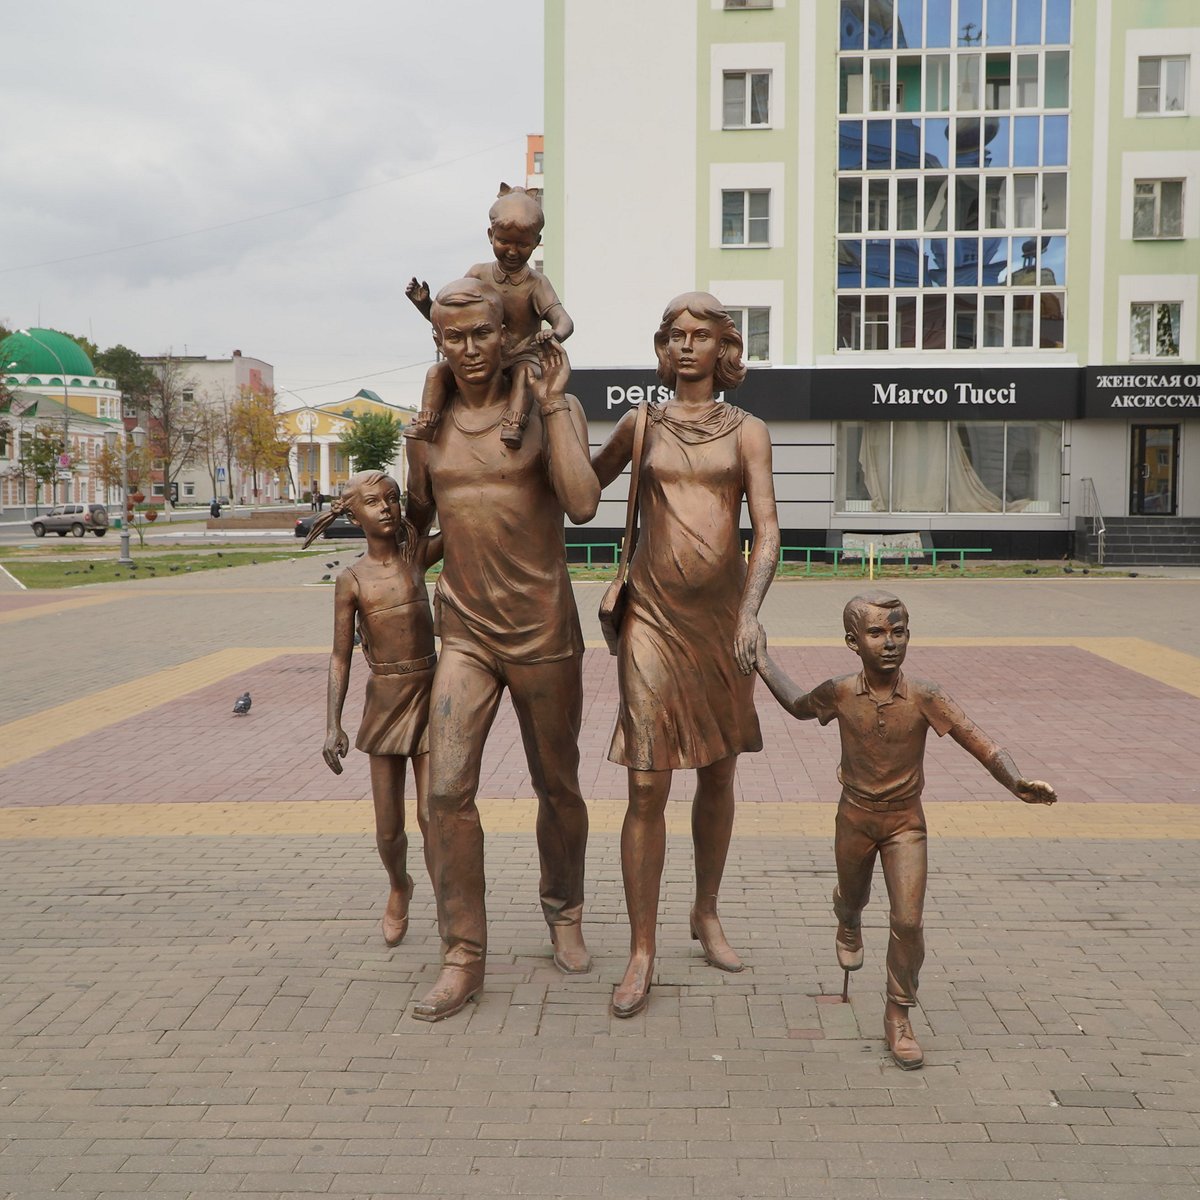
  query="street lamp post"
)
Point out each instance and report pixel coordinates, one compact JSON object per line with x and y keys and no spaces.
{"x":138,"y":435}
{"x":66,"y":398}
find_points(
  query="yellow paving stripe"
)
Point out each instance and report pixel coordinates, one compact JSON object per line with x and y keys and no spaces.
{"x":54,"y":607}
{"x":52,"y":727}
{"x":970,"y":819}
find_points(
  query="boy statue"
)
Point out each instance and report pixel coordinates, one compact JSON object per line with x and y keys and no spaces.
{"x":883,"y":718}
{"x":515,"y":231}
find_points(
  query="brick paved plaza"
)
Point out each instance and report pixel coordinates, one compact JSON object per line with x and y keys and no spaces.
{"x":195,"y":1000}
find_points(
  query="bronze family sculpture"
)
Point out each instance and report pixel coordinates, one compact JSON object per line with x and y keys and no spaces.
{"x":384,"y":596}
{"x":515,"y":231}
{"x":883,"y":718}
{"x":688,"y":633}
{"x":506,"y":617}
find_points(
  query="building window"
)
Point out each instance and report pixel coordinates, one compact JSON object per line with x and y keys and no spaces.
{"x":949,"y":466}
{"x":187,"y":396}
{"x":754,"y":324}
{"x":1154,"y":331}
{"x":746,"y":218}
{"x":1158,"y":208}
{"x":538,"y":159}
{"x":156,"y":489}
{"x":749,"y":4}
{"x":1162,"y":85}
{"x":189,"y":489}
{"x":746,"y":99}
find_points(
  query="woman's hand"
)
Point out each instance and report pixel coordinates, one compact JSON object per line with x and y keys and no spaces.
{"x":745,"y":642}
{"x":337,"y":746}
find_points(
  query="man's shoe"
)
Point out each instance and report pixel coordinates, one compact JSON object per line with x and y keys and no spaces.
{"x":455,"y":987}
{"x":571,"y":956}
{"x":903,"y":1044}
{"x":849,"y":946}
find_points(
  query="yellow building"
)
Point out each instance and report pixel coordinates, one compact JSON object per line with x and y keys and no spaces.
{"x":316,"y":455}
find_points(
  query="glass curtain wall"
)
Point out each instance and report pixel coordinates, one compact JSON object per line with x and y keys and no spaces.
{"x":953,"y":150}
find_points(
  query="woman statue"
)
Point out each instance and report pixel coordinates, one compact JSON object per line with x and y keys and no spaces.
{"x":687,"y":640}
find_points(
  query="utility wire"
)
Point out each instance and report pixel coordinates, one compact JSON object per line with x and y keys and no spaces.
{"x":275,"y":212}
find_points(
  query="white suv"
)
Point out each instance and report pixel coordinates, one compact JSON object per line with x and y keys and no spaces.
{"x":72,"y":518}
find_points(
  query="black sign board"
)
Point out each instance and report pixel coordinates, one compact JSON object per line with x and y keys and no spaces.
{"x":859,"y":394}
{"x":1141,"y":390}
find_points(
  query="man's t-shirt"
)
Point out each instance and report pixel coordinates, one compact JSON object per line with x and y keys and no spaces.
{"x":883,"y":744}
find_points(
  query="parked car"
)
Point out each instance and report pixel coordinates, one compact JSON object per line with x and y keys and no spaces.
{"x":72,"y":518}
{"x":339,"y":527}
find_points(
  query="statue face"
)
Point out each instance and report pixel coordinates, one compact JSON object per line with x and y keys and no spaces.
{"x":693,"y":346}
{"x":881,"y":639}
{"x":471,"y":339}
{"x":513,"y":244}
{"x":376,"y":508}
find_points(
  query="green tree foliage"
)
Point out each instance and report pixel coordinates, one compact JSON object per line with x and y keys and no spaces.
{"x":372,"y":441}
{"x":134,"y":378}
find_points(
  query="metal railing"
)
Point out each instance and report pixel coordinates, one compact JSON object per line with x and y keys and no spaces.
{"x":1092,"y":514}
{"x":613,"y":549}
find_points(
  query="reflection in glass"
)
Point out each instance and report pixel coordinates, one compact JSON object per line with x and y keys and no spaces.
{"x":851,"y":482}
{"x":908,"y":146}
{"x":1025,"y":275}
{"x":995,"y":131}
{"x":879,"y":145}
{"x":905,"y":324}
{"x":1058,"y":22}
{"x":934,"y":273}
{"x":937,"y":23}
{"x":1141,"y":316}
{"x":881,"y":84}
{"x":1033,"y":466}
{"x":970,"y":22}
{"x":1025,"y":141}
{"x":966,"y":262}
{"x":936,"y":191}
{"x":1029,"y":22}
{"x":1050,"y":328}
{"x":1054,"y":261}
{"x":996,"y":202}
{"x":850,"y":145}
{"x":977,"y":466}
{"x":879,"y":24}
{"x":877,"y":205}
{"x":1022,"y":321}
{"x":1027,"y":81}
{"x":999,"y":23}
{"x":1058,"y":72}
{"x":879,"y":264}
{"x":849,"y":323}
{"x":937,"y":143}
{"x":850,"y":87}
{"x":1054,"y":200}
{"x":998,"y":82}
{"x":851,"y":27}
{"x":849,"y":206}
{"x":908,"y":83}
{"x":906,"y":204}
{"x":968,"y":81}
{"x":966,"y":202}
{"x":937,"y":82}
{"x":909,"y":23}
{"x":992,"y":260}
{"x":849,"y":263}
{"x":966,"y":141}
{"x":993,"y":321}
{"x":1025,"y":209}
{"x":918,"y":465}
{"x":1054,"y":141}
{"x":906,"y":269}
{"x":876,"y":329}
{"x":933,"y":322}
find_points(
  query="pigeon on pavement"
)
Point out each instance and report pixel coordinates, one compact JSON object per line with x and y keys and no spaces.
{"x":241,"y":706}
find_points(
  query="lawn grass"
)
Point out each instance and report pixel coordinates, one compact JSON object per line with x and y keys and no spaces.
{"x":40,"y":572}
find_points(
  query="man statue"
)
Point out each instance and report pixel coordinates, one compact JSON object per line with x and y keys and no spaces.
{"x":506,"y":616}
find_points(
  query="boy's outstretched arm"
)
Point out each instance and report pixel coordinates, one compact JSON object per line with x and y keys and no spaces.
{"x":792,"y":697}
{"x":1000,"y":763}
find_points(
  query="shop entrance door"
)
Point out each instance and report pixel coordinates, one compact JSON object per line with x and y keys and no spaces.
{"x":1154,"y":471}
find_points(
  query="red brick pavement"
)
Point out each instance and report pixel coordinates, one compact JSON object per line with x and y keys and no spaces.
{"x":1099,"y":732}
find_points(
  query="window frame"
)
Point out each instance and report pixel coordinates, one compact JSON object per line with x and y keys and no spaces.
{"x":748,"y":74}
{"x":1154,"y":306}
{"x":1157,"y":185}
{"x":1159,"y":86}
{"x":746,"y":243}
{"x":740,"y":314}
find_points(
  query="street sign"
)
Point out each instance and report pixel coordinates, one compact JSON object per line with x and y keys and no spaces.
{"x":64,"y":460}
{"x":221,"y":474}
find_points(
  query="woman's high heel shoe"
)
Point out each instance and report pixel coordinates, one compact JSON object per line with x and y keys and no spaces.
{"x":632,"y":994}
{"x":717,"y":951}
{"x":394,"y":928}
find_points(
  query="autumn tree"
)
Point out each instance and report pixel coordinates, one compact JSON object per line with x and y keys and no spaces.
{"x":38,"y":459}
{"x":214,"y":442}
{"x":260,"y":437}
{"x":372,"y":441}
{"x":172,"y":420}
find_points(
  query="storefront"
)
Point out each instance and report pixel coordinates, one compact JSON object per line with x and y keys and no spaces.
{"x":989,"y":456}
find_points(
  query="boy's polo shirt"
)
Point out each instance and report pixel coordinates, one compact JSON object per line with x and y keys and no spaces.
{"x":883,"y":743}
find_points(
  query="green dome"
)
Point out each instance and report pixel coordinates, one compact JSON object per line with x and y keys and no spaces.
{"x":28,"y":357}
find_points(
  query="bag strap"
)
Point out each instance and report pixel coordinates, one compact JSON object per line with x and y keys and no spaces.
{"x":631,"y":508}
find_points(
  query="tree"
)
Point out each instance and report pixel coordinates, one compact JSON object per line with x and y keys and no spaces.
{"x":259,"y":436}
{"x":372,"y":441}
{"x":214,"y":442}
{"x":135,"y":378}
{"x":38,"y":460}
{"x":108,"y":465}
{"x":172,"y":429}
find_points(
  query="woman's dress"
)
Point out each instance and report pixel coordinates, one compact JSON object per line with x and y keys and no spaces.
{"x":683,"y":701}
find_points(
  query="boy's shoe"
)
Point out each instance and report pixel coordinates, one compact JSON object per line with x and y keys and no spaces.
{"x":512,"y":429}
{"x":423,"y":427}
{"x":849,"y":946}
{"x":903,"y":1043}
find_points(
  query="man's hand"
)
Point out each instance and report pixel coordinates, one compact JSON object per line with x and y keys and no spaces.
{"x":556,"y":370}
{"x":745,"y":643}
{"x":337,"y":746}
{"x":1034,"y":791}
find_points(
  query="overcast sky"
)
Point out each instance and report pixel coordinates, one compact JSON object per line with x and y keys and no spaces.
{"x":262,"y":175}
